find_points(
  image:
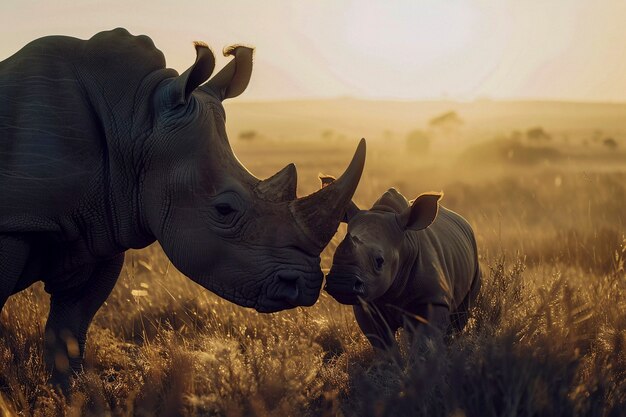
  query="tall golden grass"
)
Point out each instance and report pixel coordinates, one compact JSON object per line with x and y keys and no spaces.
{"x":547,"y":335}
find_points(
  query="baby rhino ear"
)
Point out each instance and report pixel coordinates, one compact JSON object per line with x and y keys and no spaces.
{"x":326,"y":180}
{"x":352,"y":208}
{"x":422,"y":212}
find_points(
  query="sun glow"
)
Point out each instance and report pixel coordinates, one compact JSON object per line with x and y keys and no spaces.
{"x":409,"y":34}
{"x":420,"y":49}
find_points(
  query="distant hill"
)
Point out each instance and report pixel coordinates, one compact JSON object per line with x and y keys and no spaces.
{"x":309,"y":119}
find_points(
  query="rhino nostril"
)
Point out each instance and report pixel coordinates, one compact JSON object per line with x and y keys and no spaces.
{"x":288,"y":275}
{"x":288,"y":286}
{"x":289,"y":292}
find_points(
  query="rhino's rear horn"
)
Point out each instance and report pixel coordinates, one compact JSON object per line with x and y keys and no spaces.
{"x":319,"y":214}
{"x":281,"y":186}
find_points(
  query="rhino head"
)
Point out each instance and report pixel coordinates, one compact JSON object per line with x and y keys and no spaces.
{"x":369,"y":259}
{"x":250,"y":241}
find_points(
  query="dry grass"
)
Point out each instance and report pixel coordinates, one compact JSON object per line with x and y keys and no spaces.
{"x":548,"y":335}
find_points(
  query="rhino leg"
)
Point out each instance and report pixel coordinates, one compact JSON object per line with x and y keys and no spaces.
{"x":70,"y":314}
{"x":13,"y":255}
{"x":378,"y":327}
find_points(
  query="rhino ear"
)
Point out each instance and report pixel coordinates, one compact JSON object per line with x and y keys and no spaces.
{"x":422,"y":212}
{"x":178,"y":91}
{"x":233,"y":79}
{"x":352,"y":208}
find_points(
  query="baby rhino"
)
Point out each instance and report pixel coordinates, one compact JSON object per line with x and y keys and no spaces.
{"x":411,"y":261}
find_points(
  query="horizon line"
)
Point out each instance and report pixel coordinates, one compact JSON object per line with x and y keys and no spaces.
{"x":434,"y":100}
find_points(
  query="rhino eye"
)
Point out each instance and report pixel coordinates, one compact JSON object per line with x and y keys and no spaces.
{"x":224,"y":209}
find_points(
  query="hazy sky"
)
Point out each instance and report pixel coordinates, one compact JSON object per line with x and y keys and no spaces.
{"x":401,"y":49}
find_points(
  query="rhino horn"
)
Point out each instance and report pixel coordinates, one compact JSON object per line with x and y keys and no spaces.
{"x":233,"y":79}
{"x":281,"y":186}
{"x":319,"y":214}
{"x":352,"y":209}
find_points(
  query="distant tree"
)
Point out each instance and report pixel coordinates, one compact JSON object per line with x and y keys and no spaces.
{"x":537,"y":134}
{"x":516,"y":135}
{"x":610,"y":143}
{"x":248,"y":135}
{"x":418,"y":142}
{"x":508,"y":151}
{"x":447,"y":120}
{"x":328,"y":134}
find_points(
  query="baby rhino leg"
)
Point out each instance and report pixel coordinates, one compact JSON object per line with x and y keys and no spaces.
{"x":379,"y":330}
{"x":430,"y":317}
{"x":461,"y":315}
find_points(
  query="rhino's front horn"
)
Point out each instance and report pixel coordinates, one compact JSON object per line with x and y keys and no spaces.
{"x":281,"y":186}
{"x":319,"y":214}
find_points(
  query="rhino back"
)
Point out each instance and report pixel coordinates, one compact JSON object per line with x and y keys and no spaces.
{"x":446,"y":263}
{"x":61,"y":101}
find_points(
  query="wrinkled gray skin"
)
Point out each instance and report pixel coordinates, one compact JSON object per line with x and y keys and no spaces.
{"x":406,"y":261}
{"x":103,"y":149}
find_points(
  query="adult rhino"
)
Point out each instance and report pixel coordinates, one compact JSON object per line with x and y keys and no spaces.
{"x":407,"y":260}
{"x":103,"y":149}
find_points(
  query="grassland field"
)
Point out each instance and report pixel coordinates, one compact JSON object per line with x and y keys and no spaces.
{"x":546,"y":338}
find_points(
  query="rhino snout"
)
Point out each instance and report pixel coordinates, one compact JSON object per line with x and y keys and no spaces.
{"x":344,"y":287}
{"x":291,"y":288}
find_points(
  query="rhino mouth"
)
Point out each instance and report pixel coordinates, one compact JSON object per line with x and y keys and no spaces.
{"x":289,"y":288}
{"x":346,"y":287}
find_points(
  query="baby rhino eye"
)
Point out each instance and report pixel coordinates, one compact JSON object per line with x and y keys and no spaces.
{"x":379,"y":262}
